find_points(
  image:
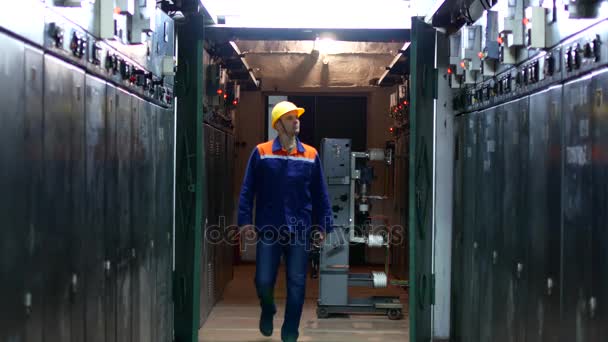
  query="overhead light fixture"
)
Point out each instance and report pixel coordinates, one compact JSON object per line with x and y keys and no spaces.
{"x":325,"y":45}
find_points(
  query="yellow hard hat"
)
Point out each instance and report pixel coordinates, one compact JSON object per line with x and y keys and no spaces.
{"x":283,"y":108}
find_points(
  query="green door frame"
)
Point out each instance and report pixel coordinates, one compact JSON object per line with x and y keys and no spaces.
{"x":423,"y":93}
{"x":190,"y":182}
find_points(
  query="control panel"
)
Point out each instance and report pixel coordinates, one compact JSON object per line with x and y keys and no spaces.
{"x":528,"y":58}
{"x":149,"y":74}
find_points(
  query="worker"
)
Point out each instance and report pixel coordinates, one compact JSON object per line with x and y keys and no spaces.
{"x":285,"y":178}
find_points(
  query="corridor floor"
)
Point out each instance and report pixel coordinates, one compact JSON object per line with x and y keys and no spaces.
{"x":235,"y":318}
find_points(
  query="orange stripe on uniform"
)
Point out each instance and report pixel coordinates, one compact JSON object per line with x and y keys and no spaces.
{"x":265,"y":149}
{"x":309,"y":152}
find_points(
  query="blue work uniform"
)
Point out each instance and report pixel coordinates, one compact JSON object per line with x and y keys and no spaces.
{"x":290,"y":196}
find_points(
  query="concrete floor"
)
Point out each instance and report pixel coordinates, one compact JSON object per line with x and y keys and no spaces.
{"x":235,"y":318}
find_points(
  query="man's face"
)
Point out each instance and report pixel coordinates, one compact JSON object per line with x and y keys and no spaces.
{"x":290,"y":123}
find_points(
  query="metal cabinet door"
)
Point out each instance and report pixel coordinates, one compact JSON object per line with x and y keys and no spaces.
{"x":152,"y":218}
{"x":578,"y":215}
{"x":164,"y":176}
{"x":469,"y":330}
{"x":125,"y":253}
{"x":510,"y":289}
{"x":34,"y":132}
{"x":230,"y":205}
{"x":499,"y":254}
{"x":13,"y":181}
{"x":598,"y":301}
{"x":519,"y":268}
{"x":488,"y":193}
{"x":206,"y":260}
{"x":458,"y":278}
{"x":217,"y":197}
{"x":95,"y":111}
{"x":112,"y":214}
{"x":78,"y":202}
{"x":544,"y":176}
{"x":64,"y":198}
{"x":142,"y":208}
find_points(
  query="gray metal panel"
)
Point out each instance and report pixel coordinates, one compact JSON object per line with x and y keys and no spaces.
{"x":12,"y":182}
{"x":124,"y":143}
{"x":515,"y":214}
{"x":111,"y":215}
{"x":164,"y":183}
{"x":95,"y":214}
{"x":77,"y":184}
{"x":169,"y":134}
{"x":503,"y":289}
{"x":488,"y":218}
{"x":206,"y":260}
{"x":496,"y":257}
{"x":496,"y":242}
{"x":578,"y":213}
{"x":600,"y":230}
{"x":143,"y":209}
{"x":165,"y":28}
{"x":470,"y":294}
{"x":230,"y":203}
{"x":212,"y":178}
{"x":458,"y":277}
{"x":543,"y":321}
{"x":217,"y":197}
{"x":335,"y":158}
{"x":33,"y":101}
{"x":64,"y":101}
{"x":335,"y":154}
{"x":443,"y":194}
{"x":124,"y":253}
{"x":153,"y":222}
{"x":333,"y":278}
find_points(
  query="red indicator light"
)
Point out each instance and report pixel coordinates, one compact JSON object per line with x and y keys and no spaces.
{"x":220,"y":91}
{"x":526,"y":21}
{"x":500,"y":40}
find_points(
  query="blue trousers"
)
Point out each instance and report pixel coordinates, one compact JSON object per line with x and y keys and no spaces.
{"x":294,"y":248}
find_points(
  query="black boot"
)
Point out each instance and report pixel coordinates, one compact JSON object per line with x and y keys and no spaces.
{"x":266,"y":324}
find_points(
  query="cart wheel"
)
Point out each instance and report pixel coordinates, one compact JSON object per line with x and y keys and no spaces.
{"x":394,"y":314}
{"x":322,"y":313}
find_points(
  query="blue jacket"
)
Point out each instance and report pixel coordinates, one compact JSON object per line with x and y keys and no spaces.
{"x":289,"y":189}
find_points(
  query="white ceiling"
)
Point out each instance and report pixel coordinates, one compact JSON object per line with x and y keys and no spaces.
{"x":312,"y":13}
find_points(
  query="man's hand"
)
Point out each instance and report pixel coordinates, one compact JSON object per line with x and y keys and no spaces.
{"x":248,"y":232}
{"x":317,"y":238}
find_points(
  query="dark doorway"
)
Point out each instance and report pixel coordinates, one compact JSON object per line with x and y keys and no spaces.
{"x":333,"y":117}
